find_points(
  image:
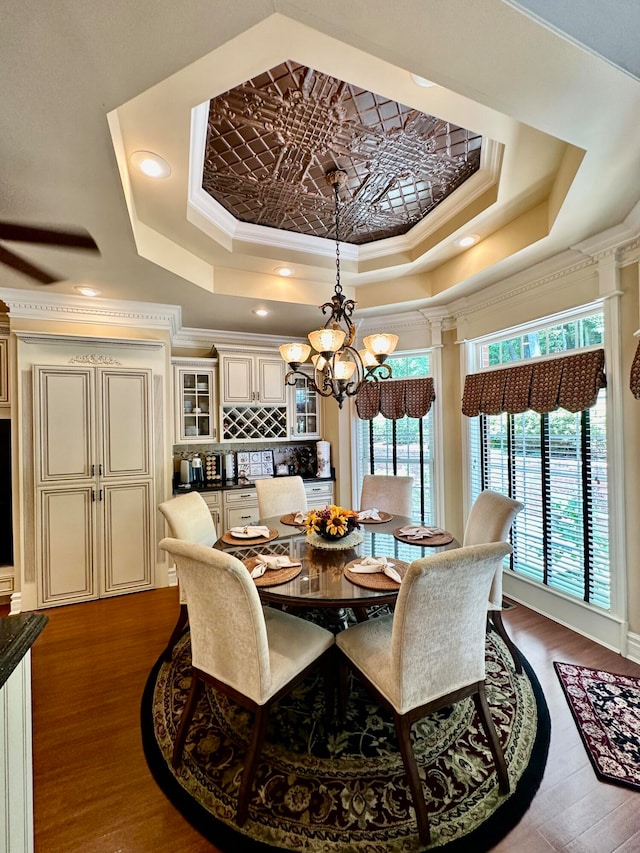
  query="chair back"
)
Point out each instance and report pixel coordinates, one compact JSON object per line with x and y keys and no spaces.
{"x":189,"y":518}
{"x":439,"y":624}
{"x":280,"y":496}
{"x":228,"y":630}
{"x":490,"y":518}
{"x":388,"y":493}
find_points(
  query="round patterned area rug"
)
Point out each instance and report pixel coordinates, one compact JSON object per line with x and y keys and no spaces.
{"x":343,"y":789}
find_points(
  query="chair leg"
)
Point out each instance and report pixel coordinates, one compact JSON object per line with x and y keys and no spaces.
{"x":177,"y":631}
{"x":251,"y":763}
{"x":496,"y":618}
{"x":329,"y":668}
{"x":343,"y":687}
{"x":482,"y":707}
{"x":403,"y":731}
{"x":185,"y":720}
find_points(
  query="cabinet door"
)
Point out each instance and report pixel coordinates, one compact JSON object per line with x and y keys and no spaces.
{"x":126,"y":438}
{"x":64,"y":425}
{"x":195,"y":405}
{"x":65,"y":543}
{"x":237,"y":379}
{"x":127,"y":525}
{"x":304,"y":410}
{"x":270,"y":377}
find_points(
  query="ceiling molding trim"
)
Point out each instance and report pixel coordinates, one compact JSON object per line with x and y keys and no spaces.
{"x":88,"y":341}
{"x":29,"y":305}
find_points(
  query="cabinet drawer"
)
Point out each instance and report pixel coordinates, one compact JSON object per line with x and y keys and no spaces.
{"x":242,"y":496}
{"x":212,"y":499}
{"x":319,"y":494}
{"x":6,"y":584}
{"x":241,"y":516}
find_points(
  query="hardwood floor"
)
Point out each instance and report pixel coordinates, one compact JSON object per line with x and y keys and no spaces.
{"x":93,"y":792}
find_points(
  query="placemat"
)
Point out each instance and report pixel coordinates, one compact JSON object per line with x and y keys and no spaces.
{"x":438,"y":539}
{"x":384,"y":516}
{"x":272,"y":577}
{"x":259,"y":540}
{"x":376,"y":580}
{"x":289,"y":519}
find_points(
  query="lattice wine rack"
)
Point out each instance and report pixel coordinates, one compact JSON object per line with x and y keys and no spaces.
{"x":246,"y":422}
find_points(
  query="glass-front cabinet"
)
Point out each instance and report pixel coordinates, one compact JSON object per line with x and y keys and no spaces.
{"x":195,"y":400}
{"x":304,"y":410}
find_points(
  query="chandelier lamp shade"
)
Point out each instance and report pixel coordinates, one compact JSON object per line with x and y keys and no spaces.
{"x":338,"y":368}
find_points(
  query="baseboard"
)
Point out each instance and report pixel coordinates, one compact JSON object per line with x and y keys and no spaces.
{"x":633,"y":647}
{"x":16,"y":604}
{"x":590,"y":622}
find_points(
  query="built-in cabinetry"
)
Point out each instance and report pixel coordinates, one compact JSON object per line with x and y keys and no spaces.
{"x":195,"y":400}
{"x":304,"y":410}
{"x":253,"y":396}
{"x":241,"y":505}
{"x":93,"y":464}
{"x":214,"y":501}
{"x":4,"y":371}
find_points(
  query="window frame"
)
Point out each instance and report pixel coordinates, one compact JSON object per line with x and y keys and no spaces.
{"x":437,"y":497}
{"x":579,"y":615}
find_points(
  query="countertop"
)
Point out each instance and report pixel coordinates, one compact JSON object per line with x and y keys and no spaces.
{"x":229,"y":487}
{"x":17,"y":635}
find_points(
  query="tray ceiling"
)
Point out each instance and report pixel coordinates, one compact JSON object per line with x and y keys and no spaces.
{"x":272,"y":140}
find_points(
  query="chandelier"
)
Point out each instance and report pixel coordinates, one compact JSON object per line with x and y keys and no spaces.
{"x":339,"y":368}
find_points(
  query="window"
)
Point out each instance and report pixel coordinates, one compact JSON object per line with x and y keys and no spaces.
{"x":403,"y":446}
{"x":556,"y":465}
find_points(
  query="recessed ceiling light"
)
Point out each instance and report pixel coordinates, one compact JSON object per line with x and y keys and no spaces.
{"x":261,"y":312}
{"x":284,"y":271}
{"x":87,"y":291}
{"x":422,"y":81}
{"x":150,"y":164}
{"x":467,"y":240}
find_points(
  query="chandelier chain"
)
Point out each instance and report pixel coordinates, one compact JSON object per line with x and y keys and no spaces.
{"x":336,"y":188}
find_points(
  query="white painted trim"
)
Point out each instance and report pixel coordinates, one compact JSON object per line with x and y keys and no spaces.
{"x":76,"y":341}
{"x":633,"y":647}
{"x":16,"y":604}
{"x":33,"y":305}
{"x":590,"y":622}
{"x":16,"y":769}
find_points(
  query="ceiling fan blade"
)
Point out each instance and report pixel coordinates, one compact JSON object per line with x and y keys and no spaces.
{"x":19,"y":264}
{"x":47,"y":236}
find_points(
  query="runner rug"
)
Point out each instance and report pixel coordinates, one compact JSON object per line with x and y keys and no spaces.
{"x":606,"y":708}
{"x":343,"y":789}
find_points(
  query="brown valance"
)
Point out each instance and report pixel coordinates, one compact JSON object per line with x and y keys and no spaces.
{"x":396,"y":398}
{"x":571,"y":382}
{"x":634,"y":384}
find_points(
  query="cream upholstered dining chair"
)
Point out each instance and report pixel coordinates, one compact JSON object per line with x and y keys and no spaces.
{"x":490,"y":520}
{"x":387,"y":493}
{"x":431,"y":652}
{"x":189,"y":518}
{"x":251,"y":654}
{"x":280,"y":496}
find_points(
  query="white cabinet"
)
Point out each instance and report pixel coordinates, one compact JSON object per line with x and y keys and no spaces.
{"x":319,"y":494}
{"x":4,"y":372}
{"x":93,"y":482}
{"x":252,"y":378}
{"x":214,"y":501}
{"x":194,"y":397}
{"x":253,"y":396}
{"x":304,"y":410}
{"x":240,"y":508}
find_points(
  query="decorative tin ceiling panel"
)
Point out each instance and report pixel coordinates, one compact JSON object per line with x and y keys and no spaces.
{"x":272,"y":140}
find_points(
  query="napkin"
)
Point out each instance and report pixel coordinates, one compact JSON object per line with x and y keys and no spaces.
{"x":271,"y":561}
{"x":373,"y":514}
{"x":300,"y":517}
{"x":420,"y":532}
{"x":258,"y":530}
{"x":376,"y":564}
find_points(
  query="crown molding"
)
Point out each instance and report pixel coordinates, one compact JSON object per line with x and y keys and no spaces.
{"x":87,"y":341}
{"x":32,"y":305}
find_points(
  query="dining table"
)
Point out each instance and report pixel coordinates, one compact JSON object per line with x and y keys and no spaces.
{"x":321,"y":583}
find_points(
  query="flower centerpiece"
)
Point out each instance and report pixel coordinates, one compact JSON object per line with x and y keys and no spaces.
{"x":332,"y":522}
